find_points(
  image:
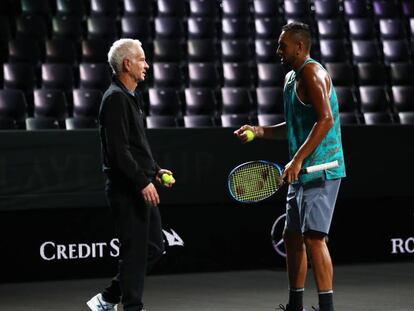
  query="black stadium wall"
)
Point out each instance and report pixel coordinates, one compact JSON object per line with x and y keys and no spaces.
{"x":55,"y":224}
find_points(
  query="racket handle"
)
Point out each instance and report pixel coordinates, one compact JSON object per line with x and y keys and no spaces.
{"x":321,"y":167}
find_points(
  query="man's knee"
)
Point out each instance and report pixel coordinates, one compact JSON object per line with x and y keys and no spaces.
{"x":314,"y":239}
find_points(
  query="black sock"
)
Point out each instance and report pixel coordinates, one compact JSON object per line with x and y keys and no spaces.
{"x":326,"y":301}
{"x":296,"y":299}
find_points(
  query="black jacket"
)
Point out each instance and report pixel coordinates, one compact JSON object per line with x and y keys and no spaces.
{"x":126,"y":153}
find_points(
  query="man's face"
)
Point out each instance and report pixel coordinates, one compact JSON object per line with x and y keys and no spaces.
{"x":287,"y":49}
{"x":138,"y":65}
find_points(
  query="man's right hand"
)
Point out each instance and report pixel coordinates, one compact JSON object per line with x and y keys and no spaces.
{"x":150,"y":195}
{"x":242,"y":136}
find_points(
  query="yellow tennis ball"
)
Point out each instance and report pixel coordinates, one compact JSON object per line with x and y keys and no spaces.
{"x":166,"y":178}
{"x":249,"y":134}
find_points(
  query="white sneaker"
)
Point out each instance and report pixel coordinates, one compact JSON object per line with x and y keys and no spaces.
{"x":98,"y":304}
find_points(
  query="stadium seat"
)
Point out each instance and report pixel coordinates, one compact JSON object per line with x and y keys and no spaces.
{"x":342,"y":74}
{"x":202,"y":8}
{"x":200,"y":101}
{"x":102,"y":27}
{"x":234,"y":28}
{"x":355,"y":8}
{"x":267,"y":28}
{"x":168,"y":50}
{"x":331,"y":29}
{"x":377,"y":118}
{"x":164,"y":102}
{"x":70,"y":7}
{"x":371,"y":74}
{"x":236,"y":75}
{"x":24,"y":51}
{"x":201,"y":28}
{"x":269,"y":100}
{"x":265,"y":51}
{"x":13,"y":105}
{"x":366,"y":51}
{"x":235,"y":51}
{"x":235,"y":8}
{"x":385,"y":9}
{"x":203,"y":75}
{"x":167,"y":75}
{"x":325,"y":9}
{"x":234,"y":120}
{"x":266,"y":8}
{"x":67,"y":27}
{"x":104,"y":7}
{"x":138,"y":7}
{"x":346,"y":99}
{"x":402,"y":73}
{"x":86,"y":102}
{"x":60,"y":51}
{"x":333,"y":50}
{"x":297,"y":9}
{"x":95,"y":50}
{"x":161,"y":122}
{"x":270,"y":119}
{"x":171,"y":8}
{"x":31,"y":27}
{"x":403,"y":97}
{"x":50,"y":103}
{"x":94,"y":76}
{"x":361,"y":28}
{"x":270,"y":74}
{"x":395,"y":51}
{"x":196,"y":121}
{"x":168,"y":27}
{"x":36,"y":7}
{"x":41,"y":123}
{"x":391,"y":28}
{"x":236,"y":100}
{"x":406,"y":117}
{"x":136,"y":27}
{"x":19,"y":76}
{"x":407,"y":8}
{"x":373,"y":99}
{"x":80,"y":123}
{"x":348,"y":118}
{"x":201,"y":50}
{"x":57,"y":76}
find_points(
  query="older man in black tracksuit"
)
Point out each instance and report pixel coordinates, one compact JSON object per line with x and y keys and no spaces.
{"x":130,"y":170}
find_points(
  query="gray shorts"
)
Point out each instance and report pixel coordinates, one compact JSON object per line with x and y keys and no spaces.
{"x":310,"y":207}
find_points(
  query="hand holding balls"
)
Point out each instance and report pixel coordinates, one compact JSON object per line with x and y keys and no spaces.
{"x":249,"y":135}
{"x":167,"y":178}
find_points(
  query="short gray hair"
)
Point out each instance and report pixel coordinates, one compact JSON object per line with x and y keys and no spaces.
{"x":121,"y":49}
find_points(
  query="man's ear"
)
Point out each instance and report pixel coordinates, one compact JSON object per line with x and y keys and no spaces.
{"x":126,"y":64}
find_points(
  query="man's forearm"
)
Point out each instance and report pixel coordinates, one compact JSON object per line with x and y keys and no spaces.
{"x":277,"y":131}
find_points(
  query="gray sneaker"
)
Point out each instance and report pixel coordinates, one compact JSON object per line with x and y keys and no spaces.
{"x":98,"y":304}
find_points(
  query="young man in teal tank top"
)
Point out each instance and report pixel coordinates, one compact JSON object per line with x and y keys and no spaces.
{"x":313,"y":132}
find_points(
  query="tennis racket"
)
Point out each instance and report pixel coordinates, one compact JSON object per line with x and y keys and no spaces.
{"x":255,"y":181}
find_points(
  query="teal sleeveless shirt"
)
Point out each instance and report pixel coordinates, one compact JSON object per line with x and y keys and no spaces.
{"x":300,"y":119}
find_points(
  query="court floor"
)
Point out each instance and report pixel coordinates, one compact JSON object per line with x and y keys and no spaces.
{"x":370,"y":287}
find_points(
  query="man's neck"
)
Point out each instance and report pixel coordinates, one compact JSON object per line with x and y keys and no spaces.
{"x":299,"y":62}
{"x":127,"y":82}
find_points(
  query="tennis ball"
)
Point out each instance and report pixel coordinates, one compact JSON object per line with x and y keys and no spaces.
{"x":249,"y":134}
{"x":166,"y":178}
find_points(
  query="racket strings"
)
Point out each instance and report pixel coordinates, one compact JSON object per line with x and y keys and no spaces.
{"x":254,"y":182}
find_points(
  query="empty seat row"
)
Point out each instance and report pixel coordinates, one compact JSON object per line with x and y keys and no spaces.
{"x":197,"y":121}
{"x":200,"y":101}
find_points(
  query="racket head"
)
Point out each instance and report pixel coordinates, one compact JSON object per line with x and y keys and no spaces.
{"x":254,"y":181}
